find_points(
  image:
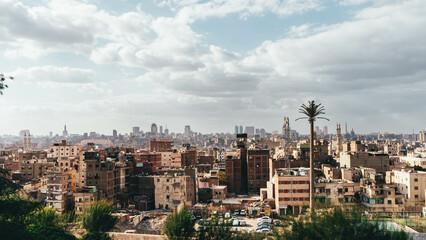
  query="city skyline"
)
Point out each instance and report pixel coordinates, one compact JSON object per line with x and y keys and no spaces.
{"x":99,"y":66}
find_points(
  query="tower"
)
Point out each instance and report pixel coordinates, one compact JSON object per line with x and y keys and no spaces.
{"x":65,"y":132}
{"x":29,"y":142}
{"x":286,"y":129}
{"x":25,"y":141}
{"x":339,"y":139}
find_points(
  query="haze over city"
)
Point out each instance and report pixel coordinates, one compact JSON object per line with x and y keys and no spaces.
{"x":103,"y":65}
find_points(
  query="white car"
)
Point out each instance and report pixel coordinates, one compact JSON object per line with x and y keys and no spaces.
{"x":236,"y":222}
{"x":242,"y":222}
{"x":264,"y":219}
{"x":243,"y":212}
{"x":265,"y":230}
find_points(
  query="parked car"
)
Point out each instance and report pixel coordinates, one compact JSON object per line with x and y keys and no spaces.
{"x":227,"y":215}
{"x":264,"y":219}
{"x":236,"y":222}
{"x":236,"y":212}
{"x":243,"y":212}
{"x":242,"y":222}
{"x":264,"y":230}
{"x":265,"y":225}
{"x":130,"y":231}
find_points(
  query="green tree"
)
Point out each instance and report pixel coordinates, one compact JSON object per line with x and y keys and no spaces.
{"x":312,"y":112}
{"x":3,"y":85}
{"x":215,"y":231}
{"x":98,"y":219}
{"x":337,"y":224}
{"x":179,"y":226}
{"x":223,"y":180}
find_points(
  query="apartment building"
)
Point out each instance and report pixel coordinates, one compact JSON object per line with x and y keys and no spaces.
{"x":62,"y":149}
{"x":410,"y":183}
{"x":84,"y":198}
{"x":257,"y":169}
{"x":61,"y":184}
{"x":290,"y":189}
{"x":172,"y":190}
{"x":378,"y":161}
{"x":336,"y":192}
{"x":379,"y":197}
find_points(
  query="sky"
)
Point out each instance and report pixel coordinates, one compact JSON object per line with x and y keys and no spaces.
{"x":98,"y":65}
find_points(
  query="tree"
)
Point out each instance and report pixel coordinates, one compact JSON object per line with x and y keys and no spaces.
{"x":98,"y":219}
{"x":215,"y":231}
{"x":2,"y":82}
{"x":179,"y":225}
{"x":312,"y":112}
{"x":338,"y":224}
{"x":223,"y":180}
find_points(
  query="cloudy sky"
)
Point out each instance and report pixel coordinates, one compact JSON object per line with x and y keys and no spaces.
{"x":99,"y":65}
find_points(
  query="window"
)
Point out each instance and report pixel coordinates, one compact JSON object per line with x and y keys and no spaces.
{"x":416,"y":179}
{"x":295,"y":182}
{"x":416,"y":188}
{"x":416,"y":196}
{"x":389,"y":201}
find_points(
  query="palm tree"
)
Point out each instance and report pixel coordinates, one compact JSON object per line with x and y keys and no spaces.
{"x":311,"y":112}
{"x":98,"y":219}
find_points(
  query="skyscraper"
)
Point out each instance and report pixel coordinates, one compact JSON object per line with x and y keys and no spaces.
{"x":154,"y":129}
{"x":325,"y":130}
{"x":114,"y":134}
{"x":187,"y":130}
{"x":250,"y":131}
{"x":135,"y":130}
{"x":161,"y":129}
{"x":236,"y":129}
{"x":241,"y":129}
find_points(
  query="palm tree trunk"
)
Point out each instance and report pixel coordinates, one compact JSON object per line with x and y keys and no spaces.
{"x":311,"y":168}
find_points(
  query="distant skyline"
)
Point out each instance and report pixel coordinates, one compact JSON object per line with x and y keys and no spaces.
{"x":104,"y":65}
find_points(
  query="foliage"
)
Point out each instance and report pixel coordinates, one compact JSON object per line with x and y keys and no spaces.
{"x":2,"y":82}
{"x":312,"y":111}
{"x":24,"y":218}
{"x":179,"y":226}
{"x":337,"y":224}
{"x":419,"y":168}
{"x":98,"y":217}
{"x":96,"y":236}
{"x":250,"y":236}
{"x":215,"y":232}
{"x":223,"y":180}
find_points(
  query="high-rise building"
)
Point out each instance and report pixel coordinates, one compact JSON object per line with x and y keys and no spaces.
{"x":166,"y":131}
{"x":114,"y":133}
{"x":250,"y":131}
{"x":325,"y":130}
{"x":135,"y":130}
{"x":236,"y":129}
{"x":65,"y":132}
{"x":154,"y":129}
{"x":187,"y":130}
{"x":317,"y":131}
{"x":241,"y":129}
{"x":161,"y":129}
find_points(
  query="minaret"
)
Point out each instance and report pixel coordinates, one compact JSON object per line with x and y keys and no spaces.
{"x":339,"y":139}
{"x":25,"y":141}
{"x":29,"y":147}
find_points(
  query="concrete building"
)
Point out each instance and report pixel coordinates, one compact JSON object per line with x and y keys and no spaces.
{"x":249,"y":131}
{"x":154,"y":129}
{"x":414,"y":159}
{"x":84,"y":198}
{"x":219,"y":192}
{"x":142,"y":192}
{"x":410,"y":183}
{"x":290,"y":189}
{"x":380,"y":162}
{"x":58,"y":150}
{"x":379,"y":197}
{"x":336,"y":192}
{"x":172,"y":190}
{"x":61,"y":184}
{"x":257,"y":169}
{"x":161,"y":145}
